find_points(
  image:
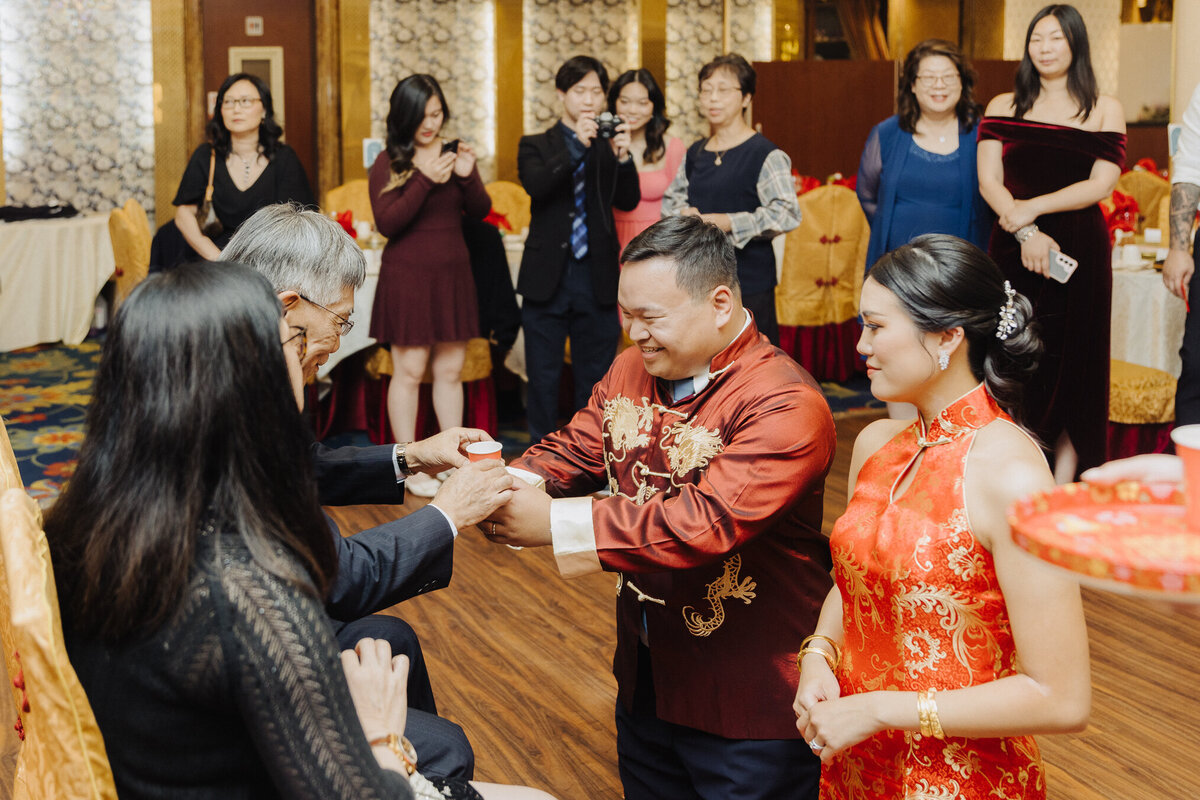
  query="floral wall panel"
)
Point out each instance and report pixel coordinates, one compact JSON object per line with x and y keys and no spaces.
{"x":77,"y":81}
{"x":695,"y":30}
{"x":555,"y":30}
{"x":1103,"y":20}
{"x":452,"y":40}
{"x":752,"y":28}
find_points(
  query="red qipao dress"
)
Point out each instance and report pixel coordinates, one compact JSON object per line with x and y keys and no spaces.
{"x":922,"y":609}
{"x":1069,"y":391}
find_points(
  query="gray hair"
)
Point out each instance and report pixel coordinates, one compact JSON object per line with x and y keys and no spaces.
{"x":300,"y":251}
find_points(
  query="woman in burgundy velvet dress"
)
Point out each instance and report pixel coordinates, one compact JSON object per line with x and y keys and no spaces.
{"x":425,"y":305}
{"x":1048,"y":153}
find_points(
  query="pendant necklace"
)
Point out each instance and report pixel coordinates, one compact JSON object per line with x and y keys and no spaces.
{"x":246,"y":164}
{"x":719,"y":154}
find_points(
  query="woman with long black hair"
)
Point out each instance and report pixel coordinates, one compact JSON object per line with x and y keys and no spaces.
{"x":425,"y":305}
{"x":1048,"y":153}
{"x":249,"y":165}
{"x":637,"y":100}
{"x":192,"y":561}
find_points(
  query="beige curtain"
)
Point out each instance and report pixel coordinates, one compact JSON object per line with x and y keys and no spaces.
{"x":862,"y":29}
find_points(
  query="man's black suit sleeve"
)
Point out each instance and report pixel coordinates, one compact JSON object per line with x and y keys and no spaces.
{"x":350,"y":476}
{"x":629,"y":191}
{"x":542,"y":174}
{"x":389,"y":564}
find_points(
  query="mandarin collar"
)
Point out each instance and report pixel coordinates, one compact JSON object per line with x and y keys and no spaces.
{"x":968,"y":413}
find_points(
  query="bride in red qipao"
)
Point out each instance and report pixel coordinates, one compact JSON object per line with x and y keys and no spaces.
{"x":1048,"y":153}
{"x":942,"y":647}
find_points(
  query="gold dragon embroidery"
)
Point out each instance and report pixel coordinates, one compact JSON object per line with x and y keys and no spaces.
{"x":694,"y":447}
{"x":726,"y":587}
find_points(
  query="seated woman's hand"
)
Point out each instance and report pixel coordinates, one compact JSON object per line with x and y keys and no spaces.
{"x":1149,"y":468}
{"x":378,"y":686}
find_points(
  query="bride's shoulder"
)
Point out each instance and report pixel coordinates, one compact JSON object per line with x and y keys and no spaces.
{"x":1000,"y":106}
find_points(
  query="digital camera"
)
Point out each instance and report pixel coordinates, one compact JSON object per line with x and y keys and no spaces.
{"x":607,"y":125}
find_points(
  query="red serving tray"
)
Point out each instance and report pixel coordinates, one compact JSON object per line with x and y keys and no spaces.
{"x":1130,"y":537}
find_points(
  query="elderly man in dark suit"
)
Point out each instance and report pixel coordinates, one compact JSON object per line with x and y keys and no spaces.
{"x":575,"y":174}
{"x":315,"y":268}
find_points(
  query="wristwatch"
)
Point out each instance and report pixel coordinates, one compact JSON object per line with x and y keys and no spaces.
{"x":401,"y":462}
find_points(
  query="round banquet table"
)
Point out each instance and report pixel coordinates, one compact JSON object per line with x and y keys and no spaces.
{"x":51,"y":272}
{"x":1147,"y":320}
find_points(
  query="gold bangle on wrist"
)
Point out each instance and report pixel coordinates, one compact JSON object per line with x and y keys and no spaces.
{"x":927,"y":712}
{"x":829,"y":659}
{"x":837,"y":648}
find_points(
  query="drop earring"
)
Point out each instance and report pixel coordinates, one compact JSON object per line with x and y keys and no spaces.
{"x":943,"y":360}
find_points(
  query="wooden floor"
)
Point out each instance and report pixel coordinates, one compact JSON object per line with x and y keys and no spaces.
{"x":521,"y":658}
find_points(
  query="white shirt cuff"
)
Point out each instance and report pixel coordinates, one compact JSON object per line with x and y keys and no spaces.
{"x":574,"y":536}
{"x":450,"y":522}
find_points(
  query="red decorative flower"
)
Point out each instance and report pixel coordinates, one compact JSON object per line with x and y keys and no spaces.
{"x":346,"y":220}
{"x":494,"y":217}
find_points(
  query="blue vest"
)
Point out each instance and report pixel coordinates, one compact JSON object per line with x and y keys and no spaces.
{"x":730,"y":187}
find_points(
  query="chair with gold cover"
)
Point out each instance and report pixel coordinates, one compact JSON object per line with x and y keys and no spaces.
{"x":353,"y":196}
{"x":1150,"y":190}
{"x":817,"y":297}
{"x":510,"y":200}
{"x":10,"y":743}
{"x":63,"y":753}
{"x":131,"y":251}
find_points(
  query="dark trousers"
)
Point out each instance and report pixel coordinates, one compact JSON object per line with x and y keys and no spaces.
{"x":662,"y":761}
{"x":1187,"y":391}
{"x":440,"y":744}
{"x":594,"y":332}
{"x":762,"y":306}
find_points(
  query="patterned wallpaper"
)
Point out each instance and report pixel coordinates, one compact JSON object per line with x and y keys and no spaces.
{"x":76,"y":77}
{"x":695,"y":30}
{"x":452,"y":40}
{"x":752,"y":28}
{"x":1103,"y":19}
{"x":555,"y":30}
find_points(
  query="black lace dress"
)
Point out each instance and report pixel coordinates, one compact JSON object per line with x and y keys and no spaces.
{"x":242,"y":695}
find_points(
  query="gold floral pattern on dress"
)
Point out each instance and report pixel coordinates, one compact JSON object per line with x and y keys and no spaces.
{"x":958,"y":615}
{"x":726,"y":587}
{"x":923,"y":790}
{"x":922,"y":652}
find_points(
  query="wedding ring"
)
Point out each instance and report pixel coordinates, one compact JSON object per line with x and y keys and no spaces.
{"x":816,"y":748}
{"x":493,"y":533}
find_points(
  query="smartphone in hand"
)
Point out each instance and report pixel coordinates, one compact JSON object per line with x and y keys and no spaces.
{"x":1062,"y":266}
{"x":450,"y":146}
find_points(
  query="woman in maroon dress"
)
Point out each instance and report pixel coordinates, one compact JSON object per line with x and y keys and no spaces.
{"x":425,"y":304}
{"x":1048,"y":153}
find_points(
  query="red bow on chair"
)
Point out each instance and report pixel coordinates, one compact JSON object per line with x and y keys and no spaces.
{"x":837,"y":179}
{"x":494,"y":217}
{"x":1123,"y":216}
{"x":804,"y":183}
{"x":346,"y":220}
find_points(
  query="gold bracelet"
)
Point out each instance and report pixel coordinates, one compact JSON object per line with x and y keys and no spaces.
{"x":829,"y":659}
{"x":927,"y":711}
{"x":923,"y":714}
{"x":935,"y":723}
{"x":837,"y":648}
{"x":401,"y":747}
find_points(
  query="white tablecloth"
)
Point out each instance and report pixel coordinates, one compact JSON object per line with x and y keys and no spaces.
{"x":359,"y":336}
{"x":50,"y":274}
{"x":1147,"y":320}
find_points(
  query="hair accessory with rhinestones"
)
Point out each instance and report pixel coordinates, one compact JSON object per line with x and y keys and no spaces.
{"x":1008,"y":314}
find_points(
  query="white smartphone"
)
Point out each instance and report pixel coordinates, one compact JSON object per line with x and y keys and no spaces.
{"x":1062,"y":266}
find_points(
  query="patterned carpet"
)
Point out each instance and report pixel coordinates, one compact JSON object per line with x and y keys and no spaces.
{"x":43,"y":395}
{"x":44,"y":391}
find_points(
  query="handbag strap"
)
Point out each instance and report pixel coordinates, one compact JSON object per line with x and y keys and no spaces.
{"x":212,"y":165}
